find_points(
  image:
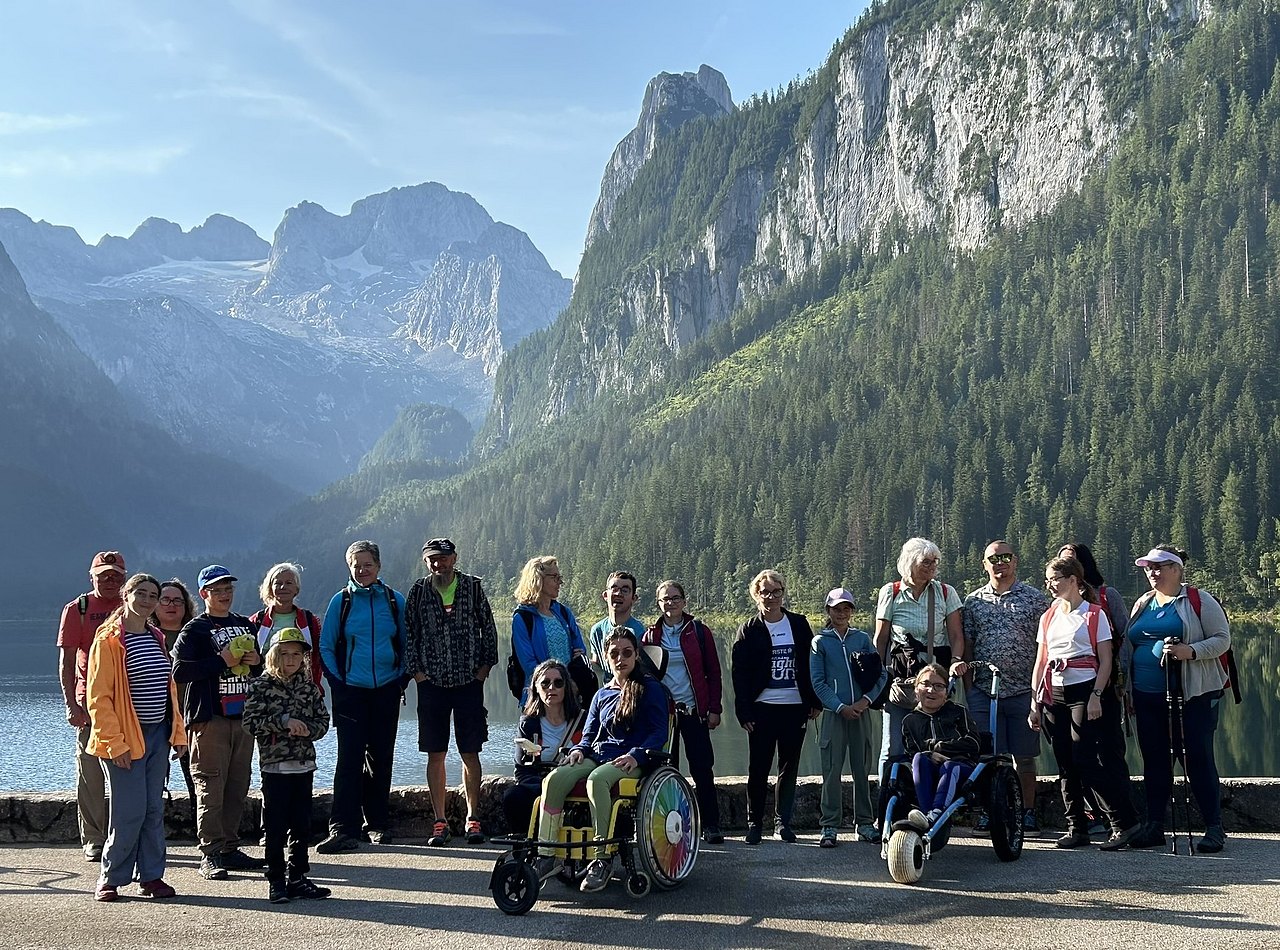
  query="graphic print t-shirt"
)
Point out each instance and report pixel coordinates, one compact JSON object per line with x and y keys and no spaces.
{"x":232,"y":689}
{"x":782,"y":666}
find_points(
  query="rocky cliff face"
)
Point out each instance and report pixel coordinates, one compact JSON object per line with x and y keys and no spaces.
{"x":670,"y":101}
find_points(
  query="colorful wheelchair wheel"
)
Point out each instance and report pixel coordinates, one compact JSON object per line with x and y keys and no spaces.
{"x":668,"y":827}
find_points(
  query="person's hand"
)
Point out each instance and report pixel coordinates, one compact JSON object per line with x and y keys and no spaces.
{"x":179,"y":752}
{"x":228,"y":657}
{"x":1094,"y":709}
{"x":848,"y":713}
{"x":959,"y":668}
{"x":574,"y":757}
{"x":77,"y":718}
{"x":713,"y":720}
{"x":1179,"y":651}
{"x":749,"y":726}
{"x":298,"y":728}
{"x":1033,"y":718}
{"x":252,"y":658}
{"x":938,"y":757}
{"x":627,"y":763}
{"x":482,"y":672}
{"x":815,"y":712}
{"x":123,"y":761}
{"x":419,"y":677}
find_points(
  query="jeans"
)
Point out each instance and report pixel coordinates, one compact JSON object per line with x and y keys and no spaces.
{"x":1090,"y":754}
{"x":286,"y":819}
{"x":135,"y":848}
{"x":778,"y":727}
{"x":366,"y":720}
{"x":1199,"y":722}
{"x":692,"y":731}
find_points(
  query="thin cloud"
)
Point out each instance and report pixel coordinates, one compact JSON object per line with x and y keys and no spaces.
{"x":13,"y":123}
{"x":90,"y":162}
{"x":277,"y":105}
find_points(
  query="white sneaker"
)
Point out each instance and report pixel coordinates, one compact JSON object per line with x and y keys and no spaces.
{"x":918,"y":819}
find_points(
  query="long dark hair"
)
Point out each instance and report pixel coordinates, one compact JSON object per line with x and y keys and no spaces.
{"x":1092,"y":574}
{"x":633,"y":686}
{"x":534,"y":706}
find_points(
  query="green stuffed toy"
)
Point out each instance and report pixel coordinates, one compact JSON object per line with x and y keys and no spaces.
{"x":239,"y":646}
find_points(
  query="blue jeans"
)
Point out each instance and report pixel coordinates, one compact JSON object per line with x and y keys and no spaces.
{"x":135,"y":848}
{"x":1199,"y":722}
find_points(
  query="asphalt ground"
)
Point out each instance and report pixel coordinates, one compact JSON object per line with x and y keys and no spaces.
{"x":771,"y":896}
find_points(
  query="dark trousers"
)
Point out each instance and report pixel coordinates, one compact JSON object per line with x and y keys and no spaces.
{"x":692,"y":732}
{"x":286,"y":818}
{"x":1090,"y":754}
{"x":517,"y":805}
{"x":1199,"y":722}
{"x":778,"y":727}
{"x":937,"y":783}
{"x":366,"y":720}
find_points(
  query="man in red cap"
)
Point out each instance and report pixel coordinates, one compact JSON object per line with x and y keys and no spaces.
{"x":80,"y":621}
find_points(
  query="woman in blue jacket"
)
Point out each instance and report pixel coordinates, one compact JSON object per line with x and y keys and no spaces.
{"x":844,"y":730}
{"x":542,"y":628}
{"x":362,"y":648}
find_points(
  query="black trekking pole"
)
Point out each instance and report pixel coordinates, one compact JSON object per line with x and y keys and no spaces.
{"x":1177,"y":748}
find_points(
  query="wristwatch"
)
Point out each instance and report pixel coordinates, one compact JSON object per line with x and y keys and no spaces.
{"x":1098,"y":693}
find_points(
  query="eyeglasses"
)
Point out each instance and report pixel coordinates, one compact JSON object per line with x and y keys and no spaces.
{"x":1056,"y":579}
{"x":771,"y":592}
{"x":670,"y":599}
{"x":931,"y":685}
{"x":172,"y":602}
{"x":552,"y":684}
{"x":1000,"y":558}
{"x":927,"y":561}
{"x":220,"y":589}
{"x":621,"y":654}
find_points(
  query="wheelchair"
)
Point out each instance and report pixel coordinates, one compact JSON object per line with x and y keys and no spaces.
{"x":993,"y":785}
{"x":654,"y":830}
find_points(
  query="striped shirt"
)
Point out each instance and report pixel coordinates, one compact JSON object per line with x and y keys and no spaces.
{"x":147,"y":667}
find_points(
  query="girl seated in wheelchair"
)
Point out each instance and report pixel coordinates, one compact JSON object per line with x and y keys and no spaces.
{"x":626,"y":725}
{"x":943,"y":743}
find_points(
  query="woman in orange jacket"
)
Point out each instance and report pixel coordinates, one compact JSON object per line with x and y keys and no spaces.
{"x":133,"y":705}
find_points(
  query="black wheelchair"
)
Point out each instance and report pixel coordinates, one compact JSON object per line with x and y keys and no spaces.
{"x":993,"y":785}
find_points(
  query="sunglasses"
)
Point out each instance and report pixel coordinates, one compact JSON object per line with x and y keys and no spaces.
{"x":621,"y":654}
{"x":552,"y":684}
{"x":1000,"y":558}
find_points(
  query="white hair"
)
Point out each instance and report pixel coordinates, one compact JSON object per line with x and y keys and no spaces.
{"x":913,"y":552}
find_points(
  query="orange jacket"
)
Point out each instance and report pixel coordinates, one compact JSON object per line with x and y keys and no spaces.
{"x":115,"y":728}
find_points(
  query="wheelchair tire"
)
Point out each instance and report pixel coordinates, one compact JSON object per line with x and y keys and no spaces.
{"x":638,"y":884}
{"x":906,"y":856}
{"x":515,"y":887}
{"x":668,"y":827}
{"x":1005,"y":812}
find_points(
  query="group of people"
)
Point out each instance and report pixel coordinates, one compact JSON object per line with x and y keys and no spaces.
{"x":144,"y":676}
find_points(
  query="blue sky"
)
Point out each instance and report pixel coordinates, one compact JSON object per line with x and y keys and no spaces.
{"x":113,"y":112}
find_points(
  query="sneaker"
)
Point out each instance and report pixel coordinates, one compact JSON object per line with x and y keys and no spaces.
{"x":1214,"y":840}
{"x":713,"y":835}
{"x":1074,"y":838}
{"x":237,"y":860}
{"x":474,"y":834}
{"x":933,"y":815}
{"x":869,"y":832}
{"x":277,"y":892}
{"x":211,"y":868}
{"x":1030,"y":825}
{"x":982,"y":827}
{"x":919,"y":820}
{"x":157,"y":889}
{"x":785,"y":833}
{"x":337,"y":843}
{"x":439,"y":834}
{"x":598,"y":873}
{"x":380,"y":837}
{"x":1096,"y":825}
{"x":1151,"y":836}
{"x":547,"y":866}
{"x":106,"y":893}
{"x":306,"y":889}
{"x":753,"y":832}
{"x":93,"y":853}
{"x":1120,"y":838}
{"x":828,"y":839}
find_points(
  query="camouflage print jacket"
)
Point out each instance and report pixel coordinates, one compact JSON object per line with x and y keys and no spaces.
{"x":270,"y":705}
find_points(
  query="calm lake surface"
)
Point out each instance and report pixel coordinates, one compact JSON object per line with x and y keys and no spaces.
{"x":37,"y":752}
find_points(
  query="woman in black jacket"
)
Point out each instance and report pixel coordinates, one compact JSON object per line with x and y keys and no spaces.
{"x":773,"y":699}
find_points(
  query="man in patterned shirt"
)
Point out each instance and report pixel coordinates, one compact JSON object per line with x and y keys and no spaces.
{"x":1000,"y":622}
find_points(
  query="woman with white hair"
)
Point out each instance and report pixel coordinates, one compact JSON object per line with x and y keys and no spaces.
{"x":279,"y":588}
{"x":917,"y":623}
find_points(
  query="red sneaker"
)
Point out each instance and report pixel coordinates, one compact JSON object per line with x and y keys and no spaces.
{"x":157,"y":889}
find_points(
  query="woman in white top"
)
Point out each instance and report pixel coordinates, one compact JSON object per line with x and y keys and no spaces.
{"x":1069,"y":685}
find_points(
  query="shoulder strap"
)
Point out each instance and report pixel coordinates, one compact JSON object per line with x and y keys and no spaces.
{"x":1091,"y":622}
{"x":897,"y":588}
{"x":1102,"y":597}
{"x":397,"y":644}
{"x":1193,"y":595}
{"x":701,"y":632}
{"x":528,"y":621}
{"x":340,"y":644}
{"x":929,"y":634}
{"x":82,"y":604}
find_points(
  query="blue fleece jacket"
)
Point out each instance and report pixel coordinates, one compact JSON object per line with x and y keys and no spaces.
{"x":604,"y":740}
{"x":371,"y":632}
{"x":829,"y":667}
{"x":530,"y":645}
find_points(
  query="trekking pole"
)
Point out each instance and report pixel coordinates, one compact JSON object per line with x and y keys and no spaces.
{"x":1177,"y":748}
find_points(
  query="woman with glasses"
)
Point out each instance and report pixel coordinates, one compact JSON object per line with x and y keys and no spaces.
{"x":551,"y":723}
{"x":175,"y":607}
{"x":542,"y":628}
{"x":910,"y":612}
{"x":626,"y":727}
{"x":1072,"y":701}
{"x":693,"y":677}
{"x":773,"y":700}
{"x":1178,"y":634}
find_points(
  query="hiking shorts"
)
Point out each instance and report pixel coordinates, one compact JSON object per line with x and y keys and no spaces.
{"x":1012,"y":734}
{"x":436,"y":704}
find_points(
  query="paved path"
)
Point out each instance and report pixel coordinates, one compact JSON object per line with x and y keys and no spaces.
{"x":772,"y":896}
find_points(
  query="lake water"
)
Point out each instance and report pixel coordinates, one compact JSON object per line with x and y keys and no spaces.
{"x":36,"y":754}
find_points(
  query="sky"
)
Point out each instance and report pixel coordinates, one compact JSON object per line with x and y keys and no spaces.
{"x":114,"y":112}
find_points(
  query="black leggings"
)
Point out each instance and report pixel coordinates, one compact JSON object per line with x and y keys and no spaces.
{"x":1090,"y":754}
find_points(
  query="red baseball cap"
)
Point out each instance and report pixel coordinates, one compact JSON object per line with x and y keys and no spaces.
{"x":105,"y":561}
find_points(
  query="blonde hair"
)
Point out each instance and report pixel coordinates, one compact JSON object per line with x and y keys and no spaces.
{"x":529,"y":586}
{"x":271,"y":665}
{"x":768,"y":574}
{"x":284,"y":567}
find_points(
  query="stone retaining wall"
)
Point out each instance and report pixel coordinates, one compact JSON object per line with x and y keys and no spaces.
{"x":1249,"y":804}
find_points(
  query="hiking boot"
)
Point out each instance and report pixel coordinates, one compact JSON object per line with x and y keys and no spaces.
{"x":1119,"y":838}
{"x":712,"y":835}
{"x":380,"y":837}
{"x":1214,"y":840}
{"x":1030,"y":825}
{"x":439,"y":834}
{"x":919,"y":820}
{"x":869,"y":832}
{"x":337,"y":843}
{"x":753,"y":832}
{"x":237,"y":860}
{"x":473,"y":832}
{"x":1151,"y":836}
{"x":106,"y":893}
{"x":982,"y":827}
{"x":828,"y":839}
{"x":157,"y":889}
{"x":598,"y":873}
{"x":211,"y":868}
{"x":1074,"y":838}
{"x":277,"y":892}
{"x":306,"y":889}
{"x":785,"y":833}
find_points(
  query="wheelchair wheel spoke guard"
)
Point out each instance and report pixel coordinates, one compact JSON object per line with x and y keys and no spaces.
{"x":667,"y":827}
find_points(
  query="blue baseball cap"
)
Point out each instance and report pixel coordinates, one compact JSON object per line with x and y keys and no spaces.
{"x":212,"y":574}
